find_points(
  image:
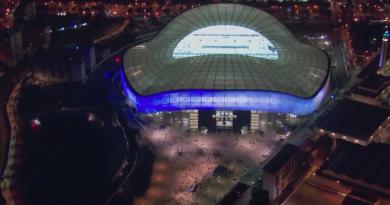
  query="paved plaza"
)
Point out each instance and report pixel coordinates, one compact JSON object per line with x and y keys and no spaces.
{"x":187,"y":159}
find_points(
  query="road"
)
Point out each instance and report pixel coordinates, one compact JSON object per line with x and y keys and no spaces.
{"x":8,"y":127}
{"x":340,"y":69}
{"x":114,"y":33}
{"x":336,"y":10}
{"x":9,"y":81}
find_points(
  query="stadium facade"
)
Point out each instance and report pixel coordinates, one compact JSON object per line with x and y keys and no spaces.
{"x":225,"y":57}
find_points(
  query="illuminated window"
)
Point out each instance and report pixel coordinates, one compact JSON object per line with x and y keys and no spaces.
{"x":225,"y":39}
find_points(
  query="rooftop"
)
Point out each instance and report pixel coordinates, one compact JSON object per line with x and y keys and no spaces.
{"x":277,"y":162}
{"x":369,"y":165}
{"x":354,"y":119}
{"x":372,"y":83}
{"x":226,"y":47}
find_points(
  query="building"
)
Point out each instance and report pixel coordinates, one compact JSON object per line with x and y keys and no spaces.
{"x":375,"y":77}
{"x":70,"y":62}
{"x":225,"y":58}
{"x":30,"y":10}
{"x":282,"y":170}
{"x":354,"y":121}
{"x":364,"y":167}
{"x":11,"y":46}
{"x":384,"y":47}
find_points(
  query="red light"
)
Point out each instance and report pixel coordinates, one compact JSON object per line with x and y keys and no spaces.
{"x":35,"y":123}
{"x":117,"y":60}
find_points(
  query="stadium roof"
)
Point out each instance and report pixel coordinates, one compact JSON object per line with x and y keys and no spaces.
{"x":225,"y":47}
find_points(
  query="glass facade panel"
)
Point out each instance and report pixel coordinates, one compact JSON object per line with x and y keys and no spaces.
{"x":266,"y":101}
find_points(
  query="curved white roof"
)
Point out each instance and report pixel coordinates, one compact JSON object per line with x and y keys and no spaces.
{"x":225,"y":47}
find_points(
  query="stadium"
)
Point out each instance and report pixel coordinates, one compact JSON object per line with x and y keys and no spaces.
{"x":225,"y":57}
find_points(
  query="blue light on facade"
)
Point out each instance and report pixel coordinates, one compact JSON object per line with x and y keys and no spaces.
{"x":266,"y":101}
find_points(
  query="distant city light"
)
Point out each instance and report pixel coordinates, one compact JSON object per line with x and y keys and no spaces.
{"x":75,"y":26}
{"x":327,"y":43}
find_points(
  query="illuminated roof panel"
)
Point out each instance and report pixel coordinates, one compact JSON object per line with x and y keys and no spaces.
{"x":225,"y":39}
{"x":165,"y":63}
